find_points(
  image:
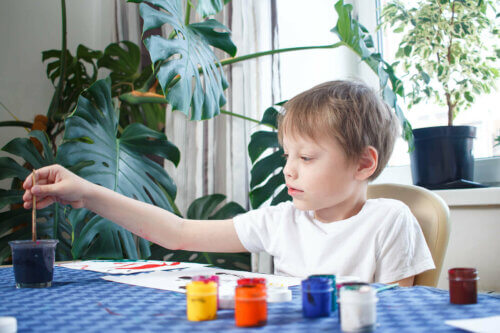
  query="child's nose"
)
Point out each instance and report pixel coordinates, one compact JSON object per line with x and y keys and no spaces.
{"x":289,"y":170}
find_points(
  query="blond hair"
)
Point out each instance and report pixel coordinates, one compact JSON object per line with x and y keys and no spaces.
{"x":349,"y":112}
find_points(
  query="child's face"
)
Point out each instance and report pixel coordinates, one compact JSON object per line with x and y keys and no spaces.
{"x":320,"y":178}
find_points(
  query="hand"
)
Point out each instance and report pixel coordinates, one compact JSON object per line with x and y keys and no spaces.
{"x":55,"y":184}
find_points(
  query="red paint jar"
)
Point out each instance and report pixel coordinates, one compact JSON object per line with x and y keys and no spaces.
{"x":463,"y":285}
{"x":250,"y":305}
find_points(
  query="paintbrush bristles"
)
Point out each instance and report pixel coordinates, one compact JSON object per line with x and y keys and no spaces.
{"x":33,"y":213}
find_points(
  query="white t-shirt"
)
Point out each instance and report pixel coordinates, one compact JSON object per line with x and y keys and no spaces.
{"x":382,"y":243}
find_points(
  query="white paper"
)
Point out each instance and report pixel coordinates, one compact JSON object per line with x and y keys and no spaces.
{"x":128,"y":266}
{"x":483,"y":325}
{"x":177,"y":280}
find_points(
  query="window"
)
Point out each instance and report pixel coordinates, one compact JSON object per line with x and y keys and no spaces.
{"x":484,"y":114}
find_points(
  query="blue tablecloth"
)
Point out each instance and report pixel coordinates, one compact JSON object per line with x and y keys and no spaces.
{"x":79,"y":301}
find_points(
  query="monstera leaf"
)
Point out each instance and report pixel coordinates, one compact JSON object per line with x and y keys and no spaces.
{"x":210,"y":7}
{"x":202,"y":209}
{"x":118,"y":163}
{"x":183,"y":57}
{"x":267,"y":177}
{"x":123,"y":59}
{"x":16,"y":223}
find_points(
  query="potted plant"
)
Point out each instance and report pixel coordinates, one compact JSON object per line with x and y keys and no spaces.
{"x":446,"y":59}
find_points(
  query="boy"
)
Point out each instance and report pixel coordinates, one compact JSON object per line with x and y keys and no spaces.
{"x":336,"y":137}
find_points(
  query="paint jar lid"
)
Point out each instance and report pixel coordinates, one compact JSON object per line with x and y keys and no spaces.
{"x":358,"y":294}
{"x":8,"y":324}
{"x":278,"y":294}
{"x":206,"y":278}
{"x":317,"y":284}
{"x":250,"y":292}
{"x":330,"y":276}
{"x":244,"y":281}
{"x":462,"y":274}
{"x":201,"y":288}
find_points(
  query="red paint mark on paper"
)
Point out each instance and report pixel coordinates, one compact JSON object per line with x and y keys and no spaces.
{"x":146,"y":266}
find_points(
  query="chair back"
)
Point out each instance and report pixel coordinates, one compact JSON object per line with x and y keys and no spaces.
{"x":432,"y":214}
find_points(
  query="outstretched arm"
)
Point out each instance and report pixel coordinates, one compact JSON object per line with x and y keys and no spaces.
{"x":57,"y":184}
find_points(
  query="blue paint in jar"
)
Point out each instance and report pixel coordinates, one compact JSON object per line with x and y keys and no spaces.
{"x":316,"y":297}
{"x":334,"y":289}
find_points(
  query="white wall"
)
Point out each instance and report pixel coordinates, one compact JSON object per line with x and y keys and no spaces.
{"x":29,"y":27}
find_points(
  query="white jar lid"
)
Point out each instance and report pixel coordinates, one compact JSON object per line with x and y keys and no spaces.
{"x":362,"y":295}
{"x":277,"y":295}
{"x":8,"y":325}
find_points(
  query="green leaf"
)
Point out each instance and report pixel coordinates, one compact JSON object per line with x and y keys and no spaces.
{"x":425,"y":77}
{"x":210,"y":7}
{"x":407,"y":50}
{"x":270,"y":116}
{"x":9,"y":168}
{"x":260,"y":142}
{"x":202,"y":207}
{"x":8,"y":197}
{"x":468,"y":96}
{"x":263,"y":168}
{"x":120,"y":164}
{"x":185,"y":56}
{"x":259,"y":195}
{"x":123,"y":59}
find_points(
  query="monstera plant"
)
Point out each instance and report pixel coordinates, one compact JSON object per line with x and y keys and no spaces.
{"x":106,"y":143}
{"x":94,"y":148}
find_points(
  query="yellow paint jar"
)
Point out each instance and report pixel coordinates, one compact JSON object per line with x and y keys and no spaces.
{"x":201,"y":300}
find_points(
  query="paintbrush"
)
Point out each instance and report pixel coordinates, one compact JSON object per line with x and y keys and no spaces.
{"x":33,"y":213}
{"x":390,"y":286}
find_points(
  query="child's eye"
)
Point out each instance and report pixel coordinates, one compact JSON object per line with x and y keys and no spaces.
{"x":305,"y":158}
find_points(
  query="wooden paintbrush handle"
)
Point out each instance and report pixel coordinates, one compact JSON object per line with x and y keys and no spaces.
{"x":33,"y":213}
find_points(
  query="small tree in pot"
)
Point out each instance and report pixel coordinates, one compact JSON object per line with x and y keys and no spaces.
{"x":447,"y":52}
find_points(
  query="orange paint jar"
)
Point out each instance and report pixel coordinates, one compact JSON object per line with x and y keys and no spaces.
{"x":250,"y":305}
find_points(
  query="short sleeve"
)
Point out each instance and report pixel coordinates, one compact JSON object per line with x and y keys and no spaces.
{"x":257,"y":229}
{"x":402,"y":251}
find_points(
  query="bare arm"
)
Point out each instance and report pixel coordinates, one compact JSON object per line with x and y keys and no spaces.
{"x":406,"y":282}
{"x":147,"y":221}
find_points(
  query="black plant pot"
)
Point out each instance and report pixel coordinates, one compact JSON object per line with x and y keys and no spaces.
{"x":442,"y":158}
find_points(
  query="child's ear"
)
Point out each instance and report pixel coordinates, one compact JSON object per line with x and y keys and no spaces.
{"x":367,"y":163}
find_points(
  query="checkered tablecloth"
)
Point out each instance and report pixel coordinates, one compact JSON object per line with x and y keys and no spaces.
{"x":79,"y":301}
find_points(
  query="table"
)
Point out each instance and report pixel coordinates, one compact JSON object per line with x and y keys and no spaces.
{"x":79,"y":301}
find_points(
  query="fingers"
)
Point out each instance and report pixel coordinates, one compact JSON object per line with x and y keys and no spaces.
{"x":45,"y":190}
{"x":45,"y":202}
{"x":40,"y":204}
{"x":42,"y":175}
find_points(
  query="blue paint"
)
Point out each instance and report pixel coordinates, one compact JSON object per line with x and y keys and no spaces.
{"x":334,"y":289}
{"x":316,"y":297}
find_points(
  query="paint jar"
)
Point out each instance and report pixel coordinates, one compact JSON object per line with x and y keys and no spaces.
{"x":316,"y":297}
{"x":206,"y":278}
{"x":347,"y":283}
{"x":250,"y":306}
{"x":33,"y":262}
{"x":201,"y":300}
{"x":358,"y":310}
{"x":334,"y":290}
{"x":463,"y":285}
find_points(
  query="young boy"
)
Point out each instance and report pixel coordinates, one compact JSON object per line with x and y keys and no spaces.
{"x":337,"y":137}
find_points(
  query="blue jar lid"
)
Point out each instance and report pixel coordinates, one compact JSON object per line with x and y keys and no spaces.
{"x":316,"y":283}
